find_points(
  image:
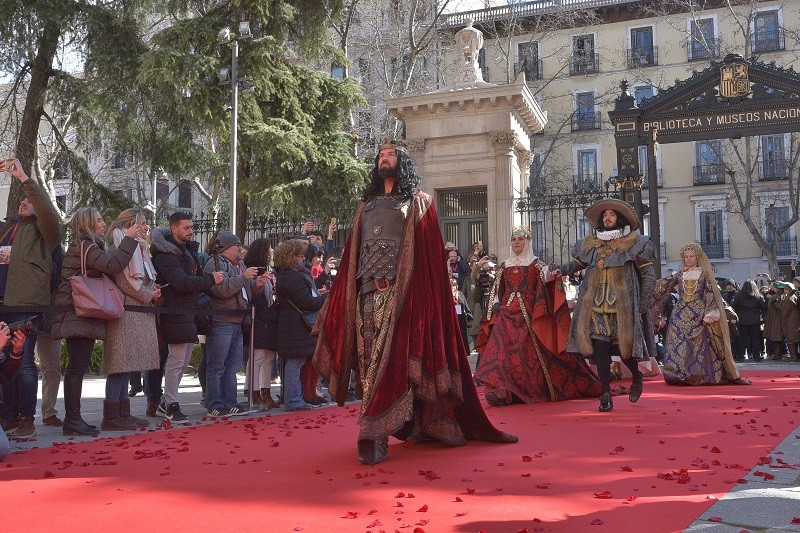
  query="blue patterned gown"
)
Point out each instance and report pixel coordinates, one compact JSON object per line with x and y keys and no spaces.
{"x":695,"y":351}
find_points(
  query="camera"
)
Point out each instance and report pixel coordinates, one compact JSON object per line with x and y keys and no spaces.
{"x":486,"y":277}
{"x":29,"y":325}
{"x":261,"y":271}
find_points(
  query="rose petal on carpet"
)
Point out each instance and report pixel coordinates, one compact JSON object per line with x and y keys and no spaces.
{"x":655,"y":465}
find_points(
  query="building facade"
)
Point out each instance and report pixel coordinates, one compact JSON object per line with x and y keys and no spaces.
{"x":575,"y":53}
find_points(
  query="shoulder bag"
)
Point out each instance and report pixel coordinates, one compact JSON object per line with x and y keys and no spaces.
{"x":309,"y":317}
{"x":95,"y":297}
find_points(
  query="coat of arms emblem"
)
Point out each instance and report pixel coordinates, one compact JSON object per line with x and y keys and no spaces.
{"x":734,"y":80}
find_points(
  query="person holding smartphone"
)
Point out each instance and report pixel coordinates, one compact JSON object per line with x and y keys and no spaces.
{"x":27,"y":241}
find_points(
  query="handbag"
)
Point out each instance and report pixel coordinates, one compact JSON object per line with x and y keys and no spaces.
{"x":309,"y":317}
{"x":95,"y":297}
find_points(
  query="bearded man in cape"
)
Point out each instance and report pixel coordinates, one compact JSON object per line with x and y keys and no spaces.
{"x":390,"y":319}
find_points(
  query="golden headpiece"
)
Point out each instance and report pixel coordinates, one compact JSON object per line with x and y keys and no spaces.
{"x":396,"y":144}
{"x":522,"y":231}
{"x":693,"y":246}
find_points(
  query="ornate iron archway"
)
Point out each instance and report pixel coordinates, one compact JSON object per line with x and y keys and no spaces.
{"x":732,"y":98}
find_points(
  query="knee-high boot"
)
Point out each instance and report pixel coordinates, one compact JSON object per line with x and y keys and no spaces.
{"x":73,"y":423}
{"x":602,"y":359}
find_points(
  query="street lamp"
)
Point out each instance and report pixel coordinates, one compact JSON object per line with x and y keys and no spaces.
{"x":230,"y":76}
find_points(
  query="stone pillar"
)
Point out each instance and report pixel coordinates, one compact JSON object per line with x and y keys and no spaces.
{"x":504,"y":144}
{"x":416,"y":149}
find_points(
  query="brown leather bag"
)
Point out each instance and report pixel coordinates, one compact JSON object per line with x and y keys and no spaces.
{"x":95,"y":297}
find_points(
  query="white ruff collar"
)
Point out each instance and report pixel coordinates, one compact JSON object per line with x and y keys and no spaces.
{"x":612,"y":234}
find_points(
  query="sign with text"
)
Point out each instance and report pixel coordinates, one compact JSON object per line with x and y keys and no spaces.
{"x":719,"y":123}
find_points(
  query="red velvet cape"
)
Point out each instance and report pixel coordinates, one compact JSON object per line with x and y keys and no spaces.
{"x":425,"y":358}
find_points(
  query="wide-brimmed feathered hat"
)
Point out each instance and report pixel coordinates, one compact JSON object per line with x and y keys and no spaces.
{"x":594,"y":211}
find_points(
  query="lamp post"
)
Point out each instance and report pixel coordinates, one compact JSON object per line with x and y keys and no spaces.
{"x":230,"y":76}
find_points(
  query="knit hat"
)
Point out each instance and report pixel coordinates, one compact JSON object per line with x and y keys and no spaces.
{"x":226,"y":239}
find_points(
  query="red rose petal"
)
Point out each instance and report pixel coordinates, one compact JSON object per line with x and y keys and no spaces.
{"x":597,"y":522}
{"x":715,"y":519}
{"x":351,"y":515}
{"x":605,"y":495}
{"x":423,"y":509}
{"x":626,"y":469}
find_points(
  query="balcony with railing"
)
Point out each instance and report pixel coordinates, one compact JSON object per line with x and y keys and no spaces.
{"x":531,"y":67}
{"x":643,"y":57}
{"x":773,"y":169}
{"x":583,"y":63}
{"x":768,"y":41}
{"x":587,"y":182}
{"x":711,"y":174}
{"x":787,"y":245}
{"x":703,"y":50}
{"x":717,"y":249}
{"x":589,"y":120}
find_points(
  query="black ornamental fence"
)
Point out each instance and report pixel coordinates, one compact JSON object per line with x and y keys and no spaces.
{"x":274,"y":227}
{"x":557,"y":222}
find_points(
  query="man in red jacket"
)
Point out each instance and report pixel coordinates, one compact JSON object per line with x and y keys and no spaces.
{"x":390,"y":318}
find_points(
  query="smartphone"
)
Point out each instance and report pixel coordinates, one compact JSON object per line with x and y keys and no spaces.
{"x":333,"y":220}
{"x":262,"y":270}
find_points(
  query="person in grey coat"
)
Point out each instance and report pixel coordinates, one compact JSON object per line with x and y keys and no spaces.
{"x":611,"y":315}
{"x":225,"y":346}
{"x":88,"y":227}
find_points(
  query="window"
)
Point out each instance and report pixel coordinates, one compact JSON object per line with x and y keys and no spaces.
{"x":767,"y":33}
{"x":162,"y":192}
{"x":185,"y":194}
{"x":778,"y":217}
{"x":364,"y":70}
{"x":773,"y":161}
{"x":709,"y":168}
{"x":482,"y":64}
{"x":703,"y":43}
{"x":711,"y":234}
{"x":586,"y":116}
{"x":642,"y":93}
{"x":644,"y":167}
{"x":587,"y":179}
{"x":119,"y":160}
{"x":528,"y":60}
{"x":642,"y":52}
{"x":337,"y":72}
{"x":584,"y":59}
{"x":535,"y":178}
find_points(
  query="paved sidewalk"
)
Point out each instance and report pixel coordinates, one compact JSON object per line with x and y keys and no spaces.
{"x":760,"y":505}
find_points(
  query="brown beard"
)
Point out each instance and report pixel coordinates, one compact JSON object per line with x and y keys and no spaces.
{"x":387,"y":172}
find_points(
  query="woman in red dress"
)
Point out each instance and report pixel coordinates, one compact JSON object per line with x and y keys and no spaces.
{"x":524,"y":359}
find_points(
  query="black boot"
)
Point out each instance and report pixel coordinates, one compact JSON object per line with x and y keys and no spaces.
{"x":606,"y":403}
{"x":602,"y":359}
{"x":111,"y":419}
{"x":73,"y":423}
{"x":636,"y":386}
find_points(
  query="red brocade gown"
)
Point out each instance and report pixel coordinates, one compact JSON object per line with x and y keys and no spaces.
{"x":524,"y":359}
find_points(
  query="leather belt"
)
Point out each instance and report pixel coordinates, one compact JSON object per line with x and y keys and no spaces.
{"x":376,"y":284}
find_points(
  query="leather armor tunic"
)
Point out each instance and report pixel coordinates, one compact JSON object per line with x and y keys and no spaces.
{"x":382,"y":222}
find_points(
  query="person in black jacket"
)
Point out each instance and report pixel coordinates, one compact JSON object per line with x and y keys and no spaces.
{"x":181,"y":279}
{"x":9,"y":369}
{"x":264,"y":341}
{"x":751,"y":306}
{"x":297,"y":296}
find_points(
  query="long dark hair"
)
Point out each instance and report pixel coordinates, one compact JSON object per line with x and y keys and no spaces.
{"x":621,"y":221}
{"x":407,"y":178}
{"x":258,"y":254}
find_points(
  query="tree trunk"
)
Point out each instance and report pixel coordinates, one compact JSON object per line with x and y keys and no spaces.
{"x":41,"y":72}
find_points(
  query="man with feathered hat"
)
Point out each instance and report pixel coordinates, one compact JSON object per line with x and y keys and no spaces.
{"x":390,"y":318}
{"x":610,"y":316}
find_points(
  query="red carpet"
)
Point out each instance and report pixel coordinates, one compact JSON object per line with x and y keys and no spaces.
{"x":655,"y":465}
